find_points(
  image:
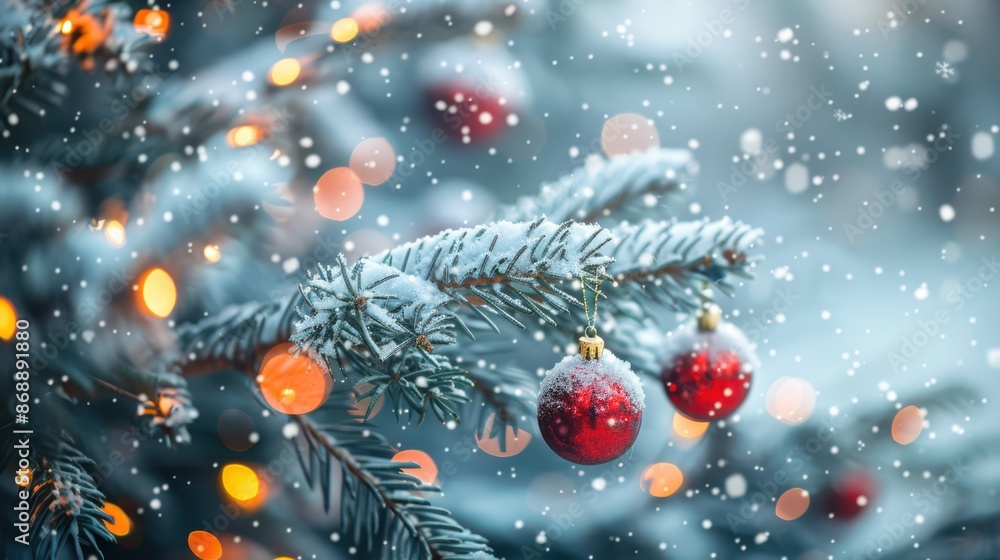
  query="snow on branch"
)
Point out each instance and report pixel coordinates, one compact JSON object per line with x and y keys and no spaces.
{"x":374,"y":306}
{"x":668,"y":261}
{"x":619,"y":183}
{"x":507,"y":267}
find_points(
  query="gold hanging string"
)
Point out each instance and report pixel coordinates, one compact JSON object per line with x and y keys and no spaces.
{"x":591,"y":345}
{"x":591,"y":329}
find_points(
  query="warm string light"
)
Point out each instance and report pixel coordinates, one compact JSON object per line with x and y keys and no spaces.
{"x":114,"y":232}
{"x":344,"y":30}
{"x":245,"y":135}
{"x":158,"y":293}
{"x":212,"y":253}
{"x":8,"y":319}
{"x":240,"y":482}
{"x":152,"y":22}
{"x":285,"y":72}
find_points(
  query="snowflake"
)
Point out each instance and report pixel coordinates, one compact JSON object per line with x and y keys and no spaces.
{"x":841,"y":116}
{"x":944,"y":70}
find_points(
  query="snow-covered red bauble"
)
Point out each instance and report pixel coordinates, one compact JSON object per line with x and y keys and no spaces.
{"x":847,"y":497}
{"x":708,"y":372}
{"x":590,"y":410}
{"x":468,"y":113}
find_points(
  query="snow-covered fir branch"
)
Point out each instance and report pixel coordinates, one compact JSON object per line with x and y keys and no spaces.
{"x":669,"y":261}
{"x":507,"y":267}
{"x":623,"y":183}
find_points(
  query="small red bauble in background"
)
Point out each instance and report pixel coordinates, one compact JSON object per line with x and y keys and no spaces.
{"x":468,"y":113}
{"x":590,"y":410}
{"x":847,"y":497}
{"x":709,"y":376}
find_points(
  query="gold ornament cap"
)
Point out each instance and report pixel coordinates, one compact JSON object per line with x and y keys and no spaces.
{"x":591,"y":346}
{"x":709,"y":317}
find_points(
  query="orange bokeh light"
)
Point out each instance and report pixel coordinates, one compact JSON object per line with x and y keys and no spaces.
{"x":907,"y":425}
{"x":661,"y":479}
{"x":8,"y":319}
{"x":153,"y":22}
{"x":120,"y":524}
{"x":373,"y":161}
{"x":792,"y":504}
{"x":205,"y":545}
{"x":688,"y":428}
{"x":338,"y":194}
{"x":293,"y":384}
{"x":285,"y":71}
{"x":628,"y":133}
{"x":360,"y":407}
{"x":158,"y":292}
{"x":515,"y":443}
{"x":426,"y":472}
{"x":791,"y":400}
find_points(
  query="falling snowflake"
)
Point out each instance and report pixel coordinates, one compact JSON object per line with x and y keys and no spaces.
{"x":841,"y":116}
{"x":944,"y":70}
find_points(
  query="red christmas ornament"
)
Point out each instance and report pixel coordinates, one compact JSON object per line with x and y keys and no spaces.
{"x":590,"y":405}
{"x":468,"y":113}
{"x":711,"y":377}
{"x":847,"y":497}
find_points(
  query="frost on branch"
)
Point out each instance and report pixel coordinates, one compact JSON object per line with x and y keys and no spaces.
{"x":668,"y":261}
{"x":374,"y":306}
{"x":620,"y":183}
{"x":507,"y":267}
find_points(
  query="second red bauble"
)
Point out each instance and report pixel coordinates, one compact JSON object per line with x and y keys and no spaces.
{"x":711,"y":377}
